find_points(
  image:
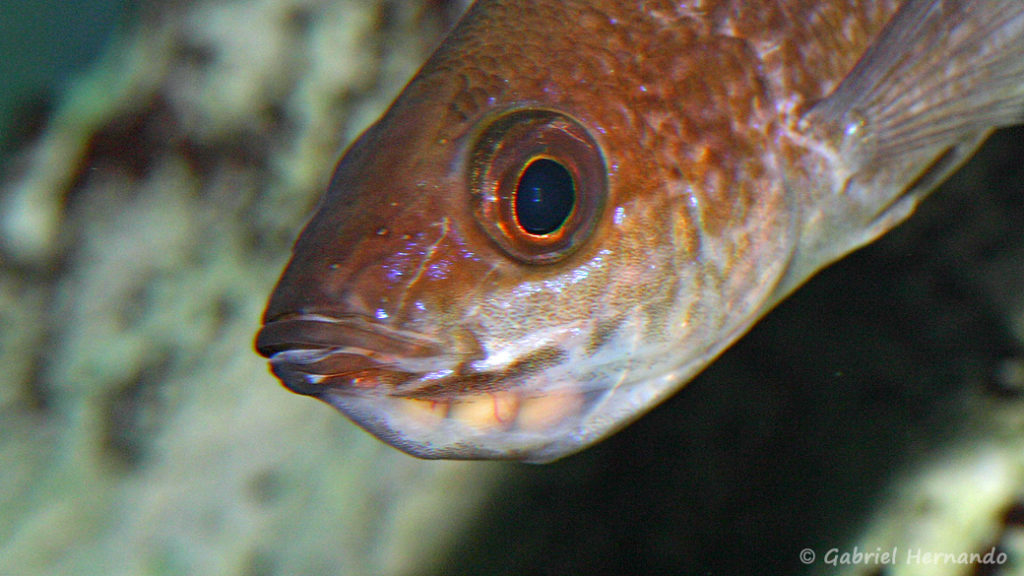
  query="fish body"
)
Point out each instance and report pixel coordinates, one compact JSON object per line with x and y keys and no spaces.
{"x":575,"y":206}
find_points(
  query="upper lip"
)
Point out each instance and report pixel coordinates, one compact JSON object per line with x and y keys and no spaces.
{"x":351,"y":334}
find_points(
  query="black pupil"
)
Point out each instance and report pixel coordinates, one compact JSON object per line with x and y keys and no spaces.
{"x":544,"y":197}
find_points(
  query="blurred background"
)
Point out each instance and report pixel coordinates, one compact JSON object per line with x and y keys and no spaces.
{"x":158,"y":159}
{"x":44,"y":44}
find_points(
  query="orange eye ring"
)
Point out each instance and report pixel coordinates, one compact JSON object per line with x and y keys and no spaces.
{"x":539,"y":184}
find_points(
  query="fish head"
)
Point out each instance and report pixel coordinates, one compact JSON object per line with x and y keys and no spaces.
{"x":526,"y":252}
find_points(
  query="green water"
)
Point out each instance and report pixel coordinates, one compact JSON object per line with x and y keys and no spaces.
{"x":42,"y":45}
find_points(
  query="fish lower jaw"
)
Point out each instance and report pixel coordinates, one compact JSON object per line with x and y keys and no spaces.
{"x":508,"y":423}
{"x":478,"y":425}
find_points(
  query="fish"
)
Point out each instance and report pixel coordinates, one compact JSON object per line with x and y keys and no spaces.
{"x":575,"y":206}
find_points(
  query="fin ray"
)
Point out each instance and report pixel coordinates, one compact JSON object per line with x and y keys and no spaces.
{"x":940,"y":72}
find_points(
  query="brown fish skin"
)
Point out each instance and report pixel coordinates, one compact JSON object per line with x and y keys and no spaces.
{"x":403,"y":305}
{"x":704,"y":124}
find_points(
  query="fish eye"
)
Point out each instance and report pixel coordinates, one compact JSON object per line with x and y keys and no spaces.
{"x":538,"y":184}
{"x":544,"y":197}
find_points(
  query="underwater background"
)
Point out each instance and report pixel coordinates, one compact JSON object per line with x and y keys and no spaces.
{"x":44,"y":43}
{"x":158,"y":160}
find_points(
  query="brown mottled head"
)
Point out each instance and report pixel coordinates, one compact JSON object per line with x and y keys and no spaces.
{"x":569,"y":211}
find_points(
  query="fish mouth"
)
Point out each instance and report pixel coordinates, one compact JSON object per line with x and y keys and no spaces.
{"x":418,"y":395}
{"x":311,"y":352}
